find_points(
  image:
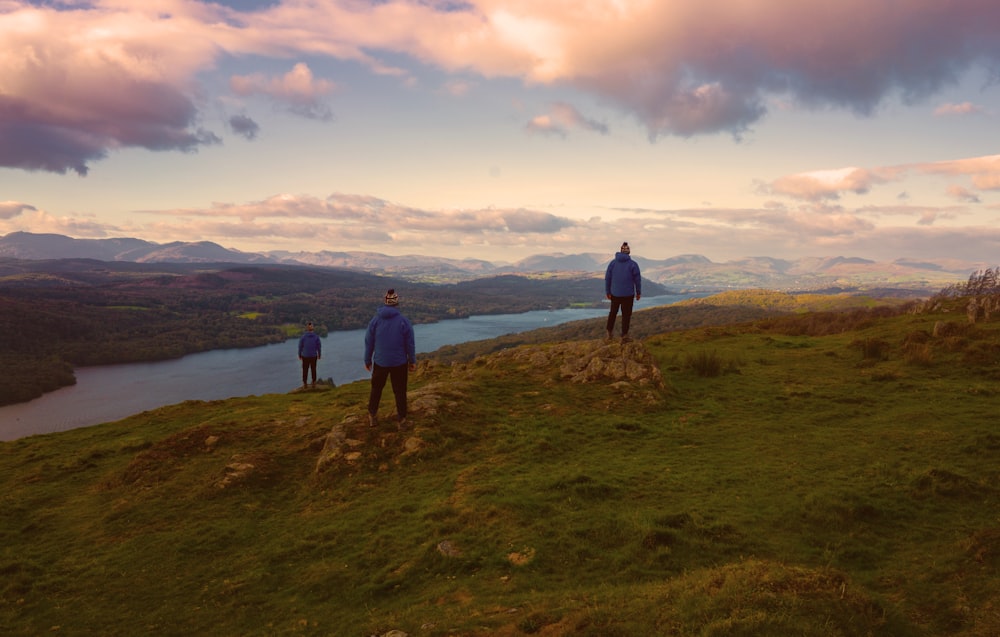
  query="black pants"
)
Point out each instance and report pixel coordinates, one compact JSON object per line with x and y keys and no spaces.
{"x":308,"y":363}
{"x":625,"y":303}
{"x":398,"y":375}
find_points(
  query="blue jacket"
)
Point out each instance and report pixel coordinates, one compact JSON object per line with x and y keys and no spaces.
{"x":622,"y":277}
{"x":390,"y":339}
{"x":310,"y":345}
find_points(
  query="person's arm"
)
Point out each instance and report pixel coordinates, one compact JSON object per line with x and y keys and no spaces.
{"x":369,"y":344}
{"x":638,"y":283}
{"x":411,"y":346}
{"x":607,"y":280}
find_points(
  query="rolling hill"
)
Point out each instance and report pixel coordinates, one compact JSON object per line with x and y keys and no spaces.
{"x":781,"y":476}
{"x":686,"y":271}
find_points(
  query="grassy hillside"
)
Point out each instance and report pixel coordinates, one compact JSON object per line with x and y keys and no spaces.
{"x":811,"y":474}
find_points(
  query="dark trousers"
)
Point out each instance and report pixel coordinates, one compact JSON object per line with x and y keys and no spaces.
{"x":308,"y":363}
{"x":398,"y":375}
{"x":625,"y":303}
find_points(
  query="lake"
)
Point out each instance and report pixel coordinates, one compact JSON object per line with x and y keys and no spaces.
{"x":111,"y":392}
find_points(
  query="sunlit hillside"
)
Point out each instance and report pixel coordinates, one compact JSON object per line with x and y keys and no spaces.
{"x":768,"y":477}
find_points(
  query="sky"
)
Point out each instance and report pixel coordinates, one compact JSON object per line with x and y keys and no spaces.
{"x":500,"y":129}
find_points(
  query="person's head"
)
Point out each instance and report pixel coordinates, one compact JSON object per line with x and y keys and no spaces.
{"x":309,"y":326}
{"x":625,"y":249}
{"x":391,"y":298}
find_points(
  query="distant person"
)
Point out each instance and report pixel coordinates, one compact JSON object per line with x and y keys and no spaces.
{"x":622,"y":284}
{"x":389,"y":342}
{"x":310,"y":351}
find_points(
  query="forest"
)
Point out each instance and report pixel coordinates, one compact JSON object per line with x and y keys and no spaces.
{"x":61,"y":314}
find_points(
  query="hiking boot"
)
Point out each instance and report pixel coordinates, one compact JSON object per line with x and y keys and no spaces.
{"x":611,"y":337}
{"x":626,"y":338}
{"x":403,"y":424}
{"x":372,"y":420}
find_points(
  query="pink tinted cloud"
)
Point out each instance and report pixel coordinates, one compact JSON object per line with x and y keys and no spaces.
{"x":347,"y":210}
{"x":36,"y":220}
{"x":828,"y":184}
{"x":983,"y":171}
{"x":79,"y":80}
{"x":76,"y":84}
{"x":561,"y":119}
{"x":298,"y":89}
{"x":11,"y":209}
{"x":965,"y":108}
{"x":962,"y":194}
{"x":688,"y":67}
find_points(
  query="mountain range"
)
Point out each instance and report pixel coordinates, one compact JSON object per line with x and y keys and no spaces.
{"x":683,"y":271}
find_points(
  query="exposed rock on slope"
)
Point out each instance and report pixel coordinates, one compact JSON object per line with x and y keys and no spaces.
{"x":629,"y":368}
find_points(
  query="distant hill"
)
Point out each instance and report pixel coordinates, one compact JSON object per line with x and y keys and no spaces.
{"x":26,"y":245}
{"x":684,"y":272}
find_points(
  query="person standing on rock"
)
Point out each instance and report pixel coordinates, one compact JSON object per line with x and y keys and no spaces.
{"x":390,"y":353}
{"x":310,"y":351}
{"x":622,"y":284}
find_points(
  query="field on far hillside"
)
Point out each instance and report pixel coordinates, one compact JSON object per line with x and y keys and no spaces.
{"x":831,"y":474}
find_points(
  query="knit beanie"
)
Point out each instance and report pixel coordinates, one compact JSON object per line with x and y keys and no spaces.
{"x":625,"y":248}
{"x":391,"y":298}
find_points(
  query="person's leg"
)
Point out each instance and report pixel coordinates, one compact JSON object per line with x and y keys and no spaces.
{"x":379,"y":376}
{"x":312,"y":367}
{"x":626,"y":314}
{"x":399,"y":375}
{"x":305,"y":369}
{"x":613,"y":314}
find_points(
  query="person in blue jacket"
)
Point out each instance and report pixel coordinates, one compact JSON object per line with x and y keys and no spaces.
{"x":622,"y":284}
{"x":390,"y":353}
{"x":310,"y":351}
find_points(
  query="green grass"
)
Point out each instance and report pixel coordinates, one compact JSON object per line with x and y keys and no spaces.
{"x":804,"y":488}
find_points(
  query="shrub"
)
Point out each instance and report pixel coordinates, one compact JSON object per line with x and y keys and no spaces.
{"x":705,"y":364}
{"x":872,"y":348}
{"x":916,"y":337}
{"x":919,"y":354}
{"x":710,"y":364}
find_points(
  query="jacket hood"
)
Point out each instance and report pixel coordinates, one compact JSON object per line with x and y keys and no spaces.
{"x":622,"y":257}
{"x":388,"y":311}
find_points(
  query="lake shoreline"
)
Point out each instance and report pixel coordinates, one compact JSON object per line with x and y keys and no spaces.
{"x":107,"y":393}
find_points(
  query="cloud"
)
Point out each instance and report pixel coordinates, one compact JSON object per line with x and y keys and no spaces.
{"x":562,"y":118}
{"x":80,"y":80}
{"x":244,"y":126}
{"x":812,"y":229}
{"x":825,"y":184}
{"x":78,"y":83}
{"x":11,"y":209}
{"x":346,"y":211}
{"x":361,"y":222}
{"x":965,"y":108}
{"x":962,"y":194}
{"x":692,"y":67}
{"x":984,"y":173}
{"x":32,"y":219}
{"x":297,"y":89}
{"x":458,"y":87}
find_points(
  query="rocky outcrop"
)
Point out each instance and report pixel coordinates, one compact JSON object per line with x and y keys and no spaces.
{"x":587,"y":362}
{"x":628,"y":368}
